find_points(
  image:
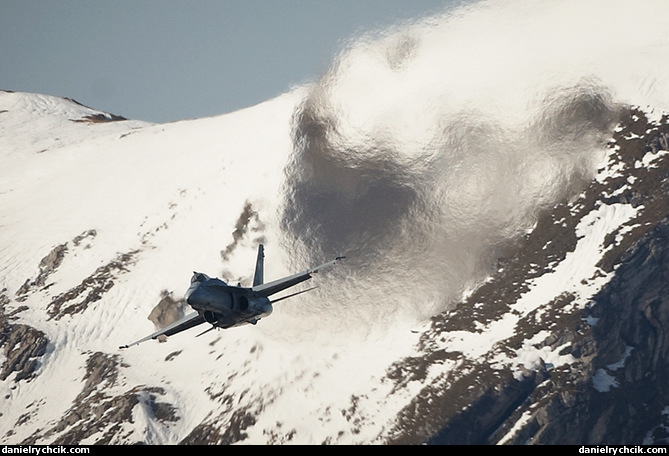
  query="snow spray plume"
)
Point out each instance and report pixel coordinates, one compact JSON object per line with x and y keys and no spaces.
{"x":426,"y":149}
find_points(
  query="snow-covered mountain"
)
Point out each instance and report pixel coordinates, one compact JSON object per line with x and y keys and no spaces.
{"x":501,"y":198}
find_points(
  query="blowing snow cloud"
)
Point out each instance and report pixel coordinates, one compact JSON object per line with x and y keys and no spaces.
{"x":426,"y":148}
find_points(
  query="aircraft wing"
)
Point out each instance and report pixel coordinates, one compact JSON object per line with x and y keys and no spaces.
{"x":187,"y":322}
{"x":269,"y":288}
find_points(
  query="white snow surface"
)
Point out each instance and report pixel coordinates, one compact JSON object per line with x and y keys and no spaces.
{"x":174,"y":192}
{"x":575,"y":275}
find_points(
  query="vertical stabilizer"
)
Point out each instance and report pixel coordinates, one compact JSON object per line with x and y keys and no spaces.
{"x":258,"y":276}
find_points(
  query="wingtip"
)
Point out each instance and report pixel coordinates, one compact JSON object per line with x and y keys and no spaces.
{"x":123,"y":347}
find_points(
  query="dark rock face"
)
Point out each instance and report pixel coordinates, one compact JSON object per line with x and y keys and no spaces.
{"x":27,"y":345}
{"x":614,"y":391}
{"x":214,"y":435}
{"x":95,"y":412}
{"x":489,"y":411}
{"x":619,"y":395}
{"x":46,"y":267}
{"x":22,"y":345}
{"x":92,"y":288}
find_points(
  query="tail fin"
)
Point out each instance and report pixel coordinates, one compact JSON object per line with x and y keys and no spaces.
{"x":258,"y":276}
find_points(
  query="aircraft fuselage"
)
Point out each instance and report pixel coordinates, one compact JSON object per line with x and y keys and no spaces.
{"x":225,"y":306}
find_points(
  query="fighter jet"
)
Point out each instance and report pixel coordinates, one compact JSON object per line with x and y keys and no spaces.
{"x":226,"y":306}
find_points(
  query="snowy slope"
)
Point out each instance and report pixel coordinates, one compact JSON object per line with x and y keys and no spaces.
{"x":161,"y":200}
{"x":259,"y":384}
{"x":568,"y":328}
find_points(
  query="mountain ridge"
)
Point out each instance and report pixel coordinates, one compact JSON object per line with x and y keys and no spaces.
{"x":530,"y":356}
{"x":549,"y":403}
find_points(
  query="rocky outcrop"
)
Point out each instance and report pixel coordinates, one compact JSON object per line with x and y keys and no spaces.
{"x":100,"y":416}
{"x":612,"y":390}
{"x":22,"y":347}
{"x":47,"y":266}
{"x":616,"y":392}
{"x":92,"y":288}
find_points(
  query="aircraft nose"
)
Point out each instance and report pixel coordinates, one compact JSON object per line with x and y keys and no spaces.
{"x":192,"y":296}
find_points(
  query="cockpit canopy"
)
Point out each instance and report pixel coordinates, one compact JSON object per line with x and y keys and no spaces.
{"x":198,"y":277}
